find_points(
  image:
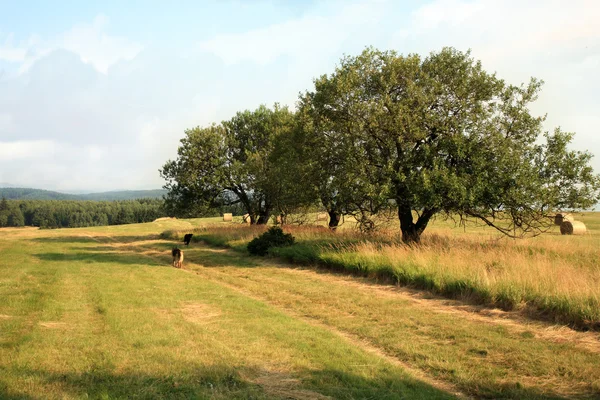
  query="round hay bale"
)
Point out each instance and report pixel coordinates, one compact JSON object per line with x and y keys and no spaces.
{"x":322,"y":216}
{"x":227,"y":217}
{"x":560,"y":217}
{"x":572,"y":228}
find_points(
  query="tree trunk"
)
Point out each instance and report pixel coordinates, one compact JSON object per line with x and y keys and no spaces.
{"x":334,"y":219}
{"x":411,"y":231}
{"x":263,"y":219}
{"x":408,"y":228}
{"x":263,"y":215}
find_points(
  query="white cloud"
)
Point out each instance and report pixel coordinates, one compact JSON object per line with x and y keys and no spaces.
{"x":554,"y":40}
{"x":95,"y":47}
{"x":305,"y":37}
{"x":26,"y":149}
{"x":6,"y":122}
{"x":452,"y":12}
{"x":93,"y":111}
{"x":11,"y":53}
{"x":88,"y":40}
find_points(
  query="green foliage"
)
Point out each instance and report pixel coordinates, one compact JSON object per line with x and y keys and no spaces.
{"x":230,"y":163}
{"x":390,"y":134}
{"x":441,"y":135}
{"x":274,"y":237}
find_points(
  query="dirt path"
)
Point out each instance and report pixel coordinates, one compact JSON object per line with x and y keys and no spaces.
{"x":352,"y":339}
{"x":513,"y":320}
{"x":493,"y":316}
{"x":355,"y":341}
{"x":427,"y":303}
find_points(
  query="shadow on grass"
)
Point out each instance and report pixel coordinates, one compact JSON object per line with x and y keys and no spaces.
{"x":99,"y":257}
{"x":95,"y":239}
{"x":343,"y":385}
{"x":223,"y":382}
{"x":231,"y":382}
{"x":214,"y":258}
{"x":205,"y":382}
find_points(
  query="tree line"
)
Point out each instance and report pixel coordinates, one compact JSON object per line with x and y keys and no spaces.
{"x":74,"y":214}
{"x":40,"y":194}
{"x":385,"y":133}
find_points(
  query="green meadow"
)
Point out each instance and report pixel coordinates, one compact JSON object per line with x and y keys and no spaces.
{"x":100,"y":313}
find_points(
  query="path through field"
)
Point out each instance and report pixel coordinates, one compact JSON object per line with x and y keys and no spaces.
{"x":99,"y":313}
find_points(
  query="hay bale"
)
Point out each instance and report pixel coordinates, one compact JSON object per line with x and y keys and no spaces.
{"x":560,"y":217}
{"x":246,"y":219}
{"x":227,"y":217}
{"x":322,"y":216}
{"x":572,"y":228}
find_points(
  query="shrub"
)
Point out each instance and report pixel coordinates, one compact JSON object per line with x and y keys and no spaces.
{"x":274,"y":237}
{"x":169,"y":235}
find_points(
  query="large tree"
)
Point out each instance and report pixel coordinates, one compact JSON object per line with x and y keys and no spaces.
{"x":442,"y":135}
{"x":344,"y":183}
{"x":229,"y":163}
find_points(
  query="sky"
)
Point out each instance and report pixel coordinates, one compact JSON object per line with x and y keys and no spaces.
{"x":95,"y":96}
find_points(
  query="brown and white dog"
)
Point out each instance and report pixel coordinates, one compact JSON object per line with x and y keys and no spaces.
{"x":177,"y":257}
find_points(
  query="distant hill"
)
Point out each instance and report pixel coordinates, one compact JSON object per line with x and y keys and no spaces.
{"x":14,"y":193}
{"x":124,"y":195}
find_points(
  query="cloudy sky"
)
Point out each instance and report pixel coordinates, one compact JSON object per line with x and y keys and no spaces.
{"x":96,"y":95}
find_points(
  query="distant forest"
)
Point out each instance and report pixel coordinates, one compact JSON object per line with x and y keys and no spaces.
{"x":78,"y":213}
{"x":39,"y":194}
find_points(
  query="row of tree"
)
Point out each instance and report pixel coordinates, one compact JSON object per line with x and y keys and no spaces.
{"x":72,"y":214}
{"x":390,"y":133}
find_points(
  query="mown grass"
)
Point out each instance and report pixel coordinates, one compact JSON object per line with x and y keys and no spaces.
{"x":97,"y":313}
{"x":551,"y":276}
{"x":486,"y":355}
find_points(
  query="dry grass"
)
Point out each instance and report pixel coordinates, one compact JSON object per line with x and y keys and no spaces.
{"x":98,"y":313}
{"x":551,"y":276}
{"x":507,"y":273}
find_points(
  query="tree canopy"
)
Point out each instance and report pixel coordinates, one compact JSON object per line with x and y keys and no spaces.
{"x":417,"y":135}
{"x":233,"y":162}
{"x":441,"y":135}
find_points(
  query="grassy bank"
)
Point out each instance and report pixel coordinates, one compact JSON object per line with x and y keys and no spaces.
{"x":552,"y":276}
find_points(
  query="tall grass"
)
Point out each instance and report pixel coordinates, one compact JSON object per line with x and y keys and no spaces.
{"x":553,"y":277}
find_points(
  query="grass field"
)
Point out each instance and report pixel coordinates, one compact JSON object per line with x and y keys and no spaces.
{"x":99,"y":313}
{"x":553,"y":277}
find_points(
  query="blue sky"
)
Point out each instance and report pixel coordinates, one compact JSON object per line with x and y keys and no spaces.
{"x":96,"y":95}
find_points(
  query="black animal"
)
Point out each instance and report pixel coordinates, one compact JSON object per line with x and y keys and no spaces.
{"x":187,"y":238}
{"x":177,"y":257}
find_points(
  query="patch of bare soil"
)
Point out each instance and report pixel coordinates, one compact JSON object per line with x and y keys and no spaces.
{"x":284,"y":386}
{"x":199,"y":313}
{"x":54,"y":325}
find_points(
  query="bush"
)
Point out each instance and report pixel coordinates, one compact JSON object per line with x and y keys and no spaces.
{"x":274,"y":237}
{"x":169,"y":235}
